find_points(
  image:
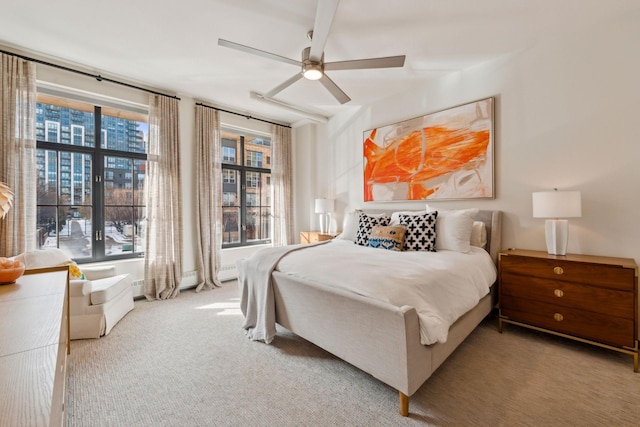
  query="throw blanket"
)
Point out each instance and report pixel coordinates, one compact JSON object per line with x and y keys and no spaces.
{"x":257,"y":301}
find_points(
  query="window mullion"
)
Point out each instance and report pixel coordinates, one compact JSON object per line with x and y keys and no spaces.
{"x":243,"y":194}
{"x":98,"y":188}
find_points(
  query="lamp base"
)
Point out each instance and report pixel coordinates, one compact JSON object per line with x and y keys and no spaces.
{"x":557,"y":234}
{"x":325,"y":222}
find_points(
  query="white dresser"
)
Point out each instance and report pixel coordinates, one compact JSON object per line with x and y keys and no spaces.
{"x":34,"y":344}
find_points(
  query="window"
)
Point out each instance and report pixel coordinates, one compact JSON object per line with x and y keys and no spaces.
{"x":90,"y":179}
{"x":228,"y":199}
{"x":53,"y":131}
{"x":246,"y":188}
{"x":229,"y":154}
{"x":254,"y":159}
{"x":253,"y":179}
{"x":228,"y":176}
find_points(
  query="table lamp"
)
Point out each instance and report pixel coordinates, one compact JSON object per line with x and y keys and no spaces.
{"x":556,"y":205}
{"x":324,"y":207}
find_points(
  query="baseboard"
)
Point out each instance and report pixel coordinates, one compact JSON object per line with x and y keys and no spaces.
{"x":228,"y":272}
{"x":189,"y":280}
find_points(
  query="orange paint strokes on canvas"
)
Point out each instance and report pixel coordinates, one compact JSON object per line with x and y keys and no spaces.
{"x":421,"y":155}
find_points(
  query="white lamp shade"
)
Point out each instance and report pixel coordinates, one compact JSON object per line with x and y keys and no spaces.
{"x":557,"y":204}
{"x":324,"y":205}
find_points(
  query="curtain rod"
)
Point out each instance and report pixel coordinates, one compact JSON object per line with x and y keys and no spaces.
{"x":242,"y":115}
{"x":98,"y":77}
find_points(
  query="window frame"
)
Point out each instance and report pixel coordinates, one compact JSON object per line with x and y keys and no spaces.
{"x":98,"y":155}
{"x":243,"y":169}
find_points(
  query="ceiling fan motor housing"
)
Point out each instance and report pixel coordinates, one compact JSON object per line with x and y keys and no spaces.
{"x":311,"y":70}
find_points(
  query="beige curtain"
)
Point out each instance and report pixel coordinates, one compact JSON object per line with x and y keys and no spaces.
{"x":281,"y":180}
{"x":208,"y":196}
{"x":18,"y":153}
{"x":163,"y":246}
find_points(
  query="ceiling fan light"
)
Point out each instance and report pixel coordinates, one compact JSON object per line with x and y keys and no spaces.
{"x":312,"y":72}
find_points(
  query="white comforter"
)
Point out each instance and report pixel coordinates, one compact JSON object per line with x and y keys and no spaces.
{"x":441,"y":286}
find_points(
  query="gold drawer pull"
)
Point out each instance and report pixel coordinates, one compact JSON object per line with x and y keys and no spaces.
{"x":559,"y":317}
{"x":558,"y":293}
{"x":558,"y":270}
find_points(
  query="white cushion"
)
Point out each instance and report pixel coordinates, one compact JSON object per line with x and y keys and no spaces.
{"x":479,"y":234}
{"x":43,"y":258}
{"x":99,"y":272}
{"x":350,"y":226}
{"x":104,"y":290}
{"x":453,"y":228}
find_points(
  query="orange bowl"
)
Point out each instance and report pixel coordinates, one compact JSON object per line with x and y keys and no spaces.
{"x":10,"y":274}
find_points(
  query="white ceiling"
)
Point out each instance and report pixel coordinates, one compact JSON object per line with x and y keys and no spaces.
{"x":172,"y":45}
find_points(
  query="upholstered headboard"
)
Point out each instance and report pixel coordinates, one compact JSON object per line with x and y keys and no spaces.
{"x":493,"y":225}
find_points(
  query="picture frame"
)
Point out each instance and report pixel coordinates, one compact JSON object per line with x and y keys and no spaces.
{"x":444,"y":155}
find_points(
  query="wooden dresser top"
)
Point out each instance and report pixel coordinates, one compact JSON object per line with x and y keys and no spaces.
{"x":594,"y":259}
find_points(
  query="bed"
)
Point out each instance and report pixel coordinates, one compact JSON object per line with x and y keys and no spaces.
{"x":340,"y":321}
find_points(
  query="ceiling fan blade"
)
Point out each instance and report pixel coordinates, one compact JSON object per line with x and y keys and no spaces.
{"x":247,"y":49}
{"x":283,"y":86}
{"x":334,"y":89}
{"x":325,"y":13}
{"x":359,"y":64}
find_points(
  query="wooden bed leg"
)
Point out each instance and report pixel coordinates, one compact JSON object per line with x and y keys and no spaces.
{"x":404,"y":404}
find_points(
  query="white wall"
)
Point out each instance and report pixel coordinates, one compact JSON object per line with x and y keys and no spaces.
{"x":566,"y":116}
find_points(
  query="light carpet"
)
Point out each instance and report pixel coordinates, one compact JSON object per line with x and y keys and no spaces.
{"x":186,"y":362}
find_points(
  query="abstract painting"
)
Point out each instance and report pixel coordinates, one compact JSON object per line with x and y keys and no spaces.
{"x":440,"y":156}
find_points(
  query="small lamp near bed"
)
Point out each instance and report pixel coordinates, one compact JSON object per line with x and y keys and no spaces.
{"x":325,"y":207}
{"x":555,"y":205}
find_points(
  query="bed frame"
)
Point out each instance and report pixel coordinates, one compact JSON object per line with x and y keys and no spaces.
{"x":376,"y":337}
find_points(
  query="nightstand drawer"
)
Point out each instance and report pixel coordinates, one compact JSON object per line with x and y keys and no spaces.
{"x":594,"y":326}
{"x":590,"y":298}
{"x":609,"y":276}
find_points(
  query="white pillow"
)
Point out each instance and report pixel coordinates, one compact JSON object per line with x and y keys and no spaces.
{"x":395,"y":217}
{"x":479,"y":234}
{"x":43,"y":258}
{"x":350,"y":226}
{"x":453,"y":229}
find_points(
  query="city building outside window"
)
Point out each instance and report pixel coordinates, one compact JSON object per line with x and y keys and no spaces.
{"x":254,"y":159}
{"x":229,"y":154}
{"x":246,"y":188}
{"x":91,"y":163}
{"x":229,"y":176}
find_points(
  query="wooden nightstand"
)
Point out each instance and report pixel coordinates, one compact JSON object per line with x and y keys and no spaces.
{"x":315,"y":236}
{"x":592,"y":299}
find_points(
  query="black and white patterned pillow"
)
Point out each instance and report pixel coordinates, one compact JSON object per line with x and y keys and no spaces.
{"x":421,"y":232}
{"x":365,"y":225}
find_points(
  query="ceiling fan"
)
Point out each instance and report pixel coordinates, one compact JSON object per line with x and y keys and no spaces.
{"x":312,"y":64}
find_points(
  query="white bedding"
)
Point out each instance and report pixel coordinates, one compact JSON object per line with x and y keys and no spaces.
{"x":441,"y":286}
